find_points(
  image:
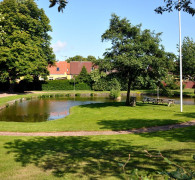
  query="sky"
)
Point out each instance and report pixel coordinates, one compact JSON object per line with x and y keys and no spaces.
{"x":78,"y":30}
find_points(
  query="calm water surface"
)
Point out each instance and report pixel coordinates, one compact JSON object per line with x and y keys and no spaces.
{"x":39,"y":110}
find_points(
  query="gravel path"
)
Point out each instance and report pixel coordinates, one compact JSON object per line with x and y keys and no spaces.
{"x":92,"y":133}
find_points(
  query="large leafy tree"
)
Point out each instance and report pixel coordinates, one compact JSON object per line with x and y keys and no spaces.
{"x":25,"y":50}
{"x":188,"y":59}
{"x":170,"y":5}
{"x":134,"y":52}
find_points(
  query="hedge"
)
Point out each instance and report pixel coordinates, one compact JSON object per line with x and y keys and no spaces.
{"x":64,"y":85}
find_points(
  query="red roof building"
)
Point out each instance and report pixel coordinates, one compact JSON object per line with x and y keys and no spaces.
{"x":60,"y":70}
{"x":76,"y":67}
{"x":64,"y":70}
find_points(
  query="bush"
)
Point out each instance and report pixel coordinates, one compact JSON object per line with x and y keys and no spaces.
{"x":57,"y":85}
{"x":166,"y":92}
{"x":114,"y":93}
{"x":64,"y":85}
{"x":82,"y":86}
{"x":106,"y":84}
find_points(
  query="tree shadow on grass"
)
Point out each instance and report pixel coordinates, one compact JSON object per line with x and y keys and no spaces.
{"x":117,"y":104}
{"x":187,"y":114}
{"x":82,"y":157}
{"x":186,"y":134}
{"x":128,"y":124}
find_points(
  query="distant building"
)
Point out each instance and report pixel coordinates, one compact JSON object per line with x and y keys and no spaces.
{"x":61,"y":70}
{"x":64,"y":70}
{"x":76,"y":67}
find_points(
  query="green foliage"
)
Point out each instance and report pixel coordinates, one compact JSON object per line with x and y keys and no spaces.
{"x":83,"y":77}
{"x":25,"y":49}
{"x":188,"y":58}
{"x":76,"y":58}
{"x":82,"y":86}
{"x":58,"y":85}
{"x":184,"y":5}
{"x":134,"y":52}
{"x":179,"y":174}
{"x":81,"y":58}
{"x":106,"y":84}
{"x":171,"y":82}
{"x":64,"y":85}
{"x":61,"y":4}
{"x":114,"y":93}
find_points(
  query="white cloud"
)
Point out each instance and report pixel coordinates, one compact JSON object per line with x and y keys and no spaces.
{"x":59,"y":46}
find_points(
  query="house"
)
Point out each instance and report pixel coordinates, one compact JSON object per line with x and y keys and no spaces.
{"x":61,"y":70}
{"x":76,"y":67}
{"x":64,"y":70}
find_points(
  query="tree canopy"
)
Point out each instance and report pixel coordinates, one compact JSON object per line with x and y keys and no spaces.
{"x":81,"y":58}
{"x":134,"y":52}
{"x":170,"y":5}
{"x":188,"y":57}
{"x":25,"y":47}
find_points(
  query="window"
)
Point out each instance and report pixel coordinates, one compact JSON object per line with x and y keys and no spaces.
{"x":58,"y":68}
{"x":67,"y":69}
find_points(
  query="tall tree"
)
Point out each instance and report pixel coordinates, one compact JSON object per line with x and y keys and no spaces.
{"x":188,"y":52}
{"x":83,"y":77}
{"x":25,"y":50}
{"x":170,"y":5}
{"x":134,"y":52}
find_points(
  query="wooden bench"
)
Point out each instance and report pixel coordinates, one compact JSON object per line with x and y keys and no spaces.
{"x":171,"y":102}
{"x":148,"y":100}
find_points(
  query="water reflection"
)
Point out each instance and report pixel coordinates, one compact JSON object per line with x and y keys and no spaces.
{"x":39,"y":110}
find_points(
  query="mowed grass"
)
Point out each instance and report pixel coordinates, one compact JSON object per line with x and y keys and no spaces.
{"x":108,"y":116}
{"x":103,"y":116}
{"x":93,"y":157}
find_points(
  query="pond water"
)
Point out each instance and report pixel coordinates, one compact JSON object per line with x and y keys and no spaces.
{"x":46,"y":109}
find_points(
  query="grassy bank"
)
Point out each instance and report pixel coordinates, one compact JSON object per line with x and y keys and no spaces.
{"x":96,"y":157}
{"x":107,"y":116}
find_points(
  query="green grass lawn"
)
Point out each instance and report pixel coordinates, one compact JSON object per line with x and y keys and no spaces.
{"x":186,"y":92}
{"x":108,"y":116}
{"x":94,"y":157}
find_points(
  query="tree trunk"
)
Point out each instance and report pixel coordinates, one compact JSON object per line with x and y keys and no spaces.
{"x":11,"y":86}
{"x":128,"y":94}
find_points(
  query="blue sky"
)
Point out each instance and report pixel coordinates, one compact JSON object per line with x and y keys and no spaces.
{"x":78,"y":30}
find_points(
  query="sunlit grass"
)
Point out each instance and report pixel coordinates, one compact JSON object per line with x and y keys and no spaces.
{"x":107,"y":116}
{"x":95,"y":157}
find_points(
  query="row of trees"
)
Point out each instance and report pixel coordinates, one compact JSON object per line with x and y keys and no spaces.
{"x":81,"y":58}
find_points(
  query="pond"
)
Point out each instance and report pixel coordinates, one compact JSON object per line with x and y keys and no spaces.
{"x":46,"y":109}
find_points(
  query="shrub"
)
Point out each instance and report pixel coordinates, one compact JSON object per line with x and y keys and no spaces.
{"x":106,"y":84}
{"x":82,"y":86}
{"x":114,"y":93}
{"x":58,"y":85}
{"x":64,"y":85}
